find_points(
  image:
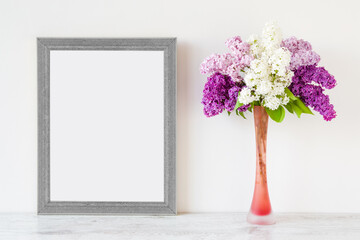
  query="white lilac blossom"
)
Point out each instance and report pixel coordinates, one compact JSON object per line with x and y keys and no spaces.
{"x":246,"y":97}
{"x":269,"y":73}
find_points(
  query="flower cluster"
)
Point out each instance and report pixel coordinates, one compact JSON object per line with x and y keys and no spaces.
{"x":313,"y":95}
{"x":270,"y":72}
{"x":301,"y":53}
{"x":230,"y":64}
{"x":220,"y":93}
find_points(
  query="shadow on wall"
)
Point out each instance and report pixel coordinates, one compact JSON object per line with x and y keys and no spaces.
{"x":183,"y":143}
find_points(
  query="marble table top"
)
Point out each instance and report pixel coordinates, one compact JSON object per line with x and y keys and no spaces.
{"x":225,"y":226}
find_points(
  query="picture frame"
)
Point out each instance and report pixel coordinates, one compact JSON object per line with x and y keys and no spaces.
{"x":56,"y":129}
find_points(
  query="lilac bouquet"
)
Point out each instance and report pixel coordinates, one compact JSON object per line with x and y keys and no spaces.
{"x":267,"y":71}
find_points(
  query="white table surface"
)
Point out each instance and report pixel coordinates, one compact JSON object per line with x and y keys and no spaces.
{"x":225,"y":226}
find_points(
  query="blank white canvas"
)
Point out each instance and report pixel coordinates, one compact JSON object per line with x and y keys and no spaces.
{"x":107,"y":126}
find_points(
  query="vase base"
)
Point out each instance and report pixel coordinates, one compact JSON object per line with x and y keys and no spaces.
{"x":261,"y":220}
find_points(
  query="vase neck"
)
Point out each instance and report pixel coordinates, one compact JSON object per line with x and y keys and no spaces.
{"x":261,"y":119}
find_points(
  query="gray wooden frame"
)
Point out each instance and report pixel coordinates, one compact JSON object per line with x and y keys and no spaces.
{"x":45,"y":206}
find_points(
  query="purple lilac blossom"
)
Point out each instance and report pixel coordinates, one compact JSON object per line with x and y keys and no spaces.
{"x":318,"y":75}
{"x":243,"y":108}
{"x":220,"y":93}
{"x":301,"y":52}
{"x":313,"y":95}
{"x":231,"y":101}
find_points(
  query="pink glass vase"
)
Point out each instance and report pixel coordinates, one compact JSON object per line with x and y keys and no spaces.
{"x":260,"y":211}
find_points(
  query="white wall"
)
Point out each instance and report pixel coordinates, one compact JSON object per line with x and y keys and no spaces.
{"x":313,"y":165}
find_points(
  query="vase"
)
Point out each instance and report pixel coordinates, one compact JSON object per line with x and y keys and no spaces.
{"x":260,"y":211}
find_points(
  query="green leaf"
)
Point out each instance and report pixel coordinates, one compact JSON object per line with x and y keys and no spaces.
{"x":251,"y":107}
{"x":296,"y":109}
{"x":277,"y":115}
{"x":282,"y":113}
{"x":289,"y":107}
{"x":290,"y":94}
{"x":302,"y":106}
{"x":228,"y":113}
{"x":237,"y":105}
{"x":242,"y":114}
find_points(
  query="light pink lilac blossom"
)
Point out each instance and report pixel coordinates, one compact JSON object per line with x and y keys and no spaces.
{"x":301,"y":52}
{"x":237,"y":46}
{"x":229,"y":64}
